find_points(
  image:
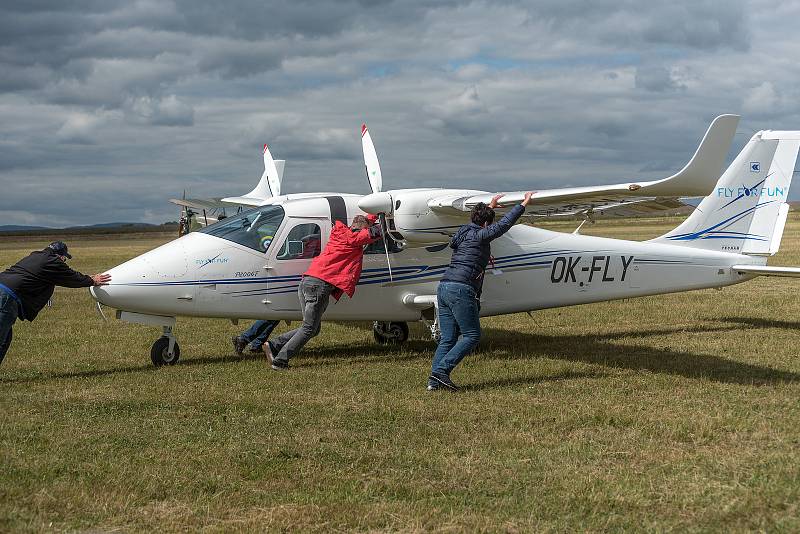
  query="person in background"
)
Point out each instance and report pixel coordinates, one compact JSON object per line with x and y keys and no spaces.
{"x":27,"y":286}
{"x":334,"y":272}
{"x":255,"y":336}
{"x":459,"y":292}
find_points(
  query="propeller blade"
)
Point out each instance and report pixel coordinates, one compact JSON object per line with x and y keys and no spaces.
{"x":371,"y":164}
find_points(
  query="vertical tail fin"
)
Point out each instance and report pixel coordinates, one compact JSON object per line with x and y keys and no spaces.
{"x":747,"y":210}
{"x":270,"y":184}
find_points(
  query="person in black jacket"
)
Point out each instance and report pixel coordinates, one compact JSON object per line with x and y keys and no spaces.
{"x":460,"y":289}
{"x":27,"y":286}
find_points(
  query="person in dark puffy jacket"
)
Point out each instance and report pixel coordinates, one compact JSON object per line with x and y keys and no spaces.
{"x":460,"y":289}
{"x":26,"y":286}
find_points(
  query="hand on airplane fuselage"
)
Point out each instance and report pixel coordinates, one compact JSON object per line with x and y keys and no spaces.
{"x":101,"y":279}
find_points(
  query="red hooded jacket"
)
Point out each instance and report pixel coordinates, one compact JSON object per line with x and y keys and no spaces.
{"x":340,"y":262}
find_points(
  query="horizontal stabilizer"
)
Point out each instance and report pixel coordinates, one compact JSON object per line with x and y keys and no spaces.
{"x":202,"y":203}
{"x":768,"y":270}
{"x":245,"y":201}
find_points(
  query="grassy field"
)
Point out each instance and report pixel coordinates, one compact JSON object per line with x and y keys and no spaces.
{"x":669,"y":413}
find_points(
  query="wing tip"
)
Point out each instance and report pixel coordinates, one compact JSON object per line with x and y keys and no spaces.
{"x":363,"y":129}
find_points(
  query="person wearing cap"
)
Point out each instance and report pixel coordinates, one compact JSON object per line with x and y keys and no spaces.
{"x":27,"y":286}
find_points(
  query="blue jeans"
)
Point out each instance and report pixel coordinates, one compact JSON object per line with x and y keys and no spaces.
{"x":458,"y":314}
{"x":258,"y":334}
{"x":9,"y":311}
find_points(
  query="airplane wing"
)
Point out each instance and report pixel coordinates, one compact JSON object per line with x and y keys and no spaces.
{"x":632,"y":208}
{"x":697,"y":178}
{"x":202,"y":203}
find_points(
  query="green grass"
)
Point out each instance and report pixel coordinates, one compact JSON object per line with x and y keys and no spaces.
{"x":669,"y":413}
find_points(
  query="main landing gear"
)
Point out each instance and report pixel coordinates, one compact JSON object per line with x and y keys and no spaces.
{"x":165,"y":351}
{"x":390,"y":332}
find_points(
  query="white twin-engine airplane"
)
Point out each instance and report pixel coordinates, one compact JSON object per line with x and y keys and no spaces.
{"x":249,"y":265}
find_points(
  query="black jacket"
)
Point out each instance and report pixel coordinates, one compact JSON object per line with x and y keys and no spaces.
{"x":33,"y":279}
{"x":471,"y":250}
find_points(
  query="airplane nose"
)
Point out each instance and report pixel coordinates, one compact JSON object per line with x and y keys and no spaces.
{"x":154,"y":282}
{"x":125,"y":286}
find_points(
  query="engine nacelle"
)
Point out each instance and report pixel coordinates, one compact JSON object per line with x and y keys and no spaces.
{"x":410,"y":217}
{"x":377,"y":203}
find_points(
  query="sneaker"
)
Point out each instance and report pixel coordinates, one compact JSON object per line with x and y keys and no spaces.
{"x":443,"y":382}
{"x":432,"y":385}
{"x":238,"y":345}
{"x":276,"y":365}
{"x":254,"y":349}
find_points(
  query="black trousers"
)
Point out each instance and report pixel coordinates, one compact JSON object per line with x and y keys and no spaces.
{"x":9,"y":310}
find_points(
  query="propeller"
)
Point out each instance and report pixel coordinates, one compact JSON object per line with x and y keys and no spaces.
{"x":378,"y":202}
{"x":373,"y":169}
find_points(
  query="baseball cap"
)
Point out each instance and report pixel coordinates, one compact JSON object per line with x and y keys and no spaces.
{"x":60,"y":248}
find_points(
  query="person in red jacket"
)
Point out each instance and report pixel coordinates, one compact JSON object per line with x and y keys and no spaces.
{"x":334,"y":272}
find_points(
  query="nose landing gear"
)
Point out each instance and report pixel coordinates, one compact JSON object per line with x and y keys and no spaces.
{"x":390,"y":332}
{"x":165,"y":350}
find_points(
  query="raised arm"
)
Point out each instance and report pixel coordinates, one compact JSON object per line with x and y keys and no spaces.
{"x":367,"y":235}
{"x":495,"y":230}
{"x":60,"y":274}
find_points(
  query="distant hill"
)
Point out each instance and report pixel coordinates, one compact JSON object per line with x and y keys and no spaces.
{"x":113,"y":225}
{"x":102,"y":228}
{"x":20,"y":228}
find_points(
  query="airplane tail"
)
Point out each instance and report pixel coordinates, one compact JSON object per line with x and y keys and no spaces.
{"x":267,"y":187}
{"x":747,"y":210}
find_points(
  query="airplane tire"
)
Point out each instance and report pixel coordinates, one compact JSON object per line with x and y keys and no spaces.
{"x":159,"y":353}
{"x":390,"y":333}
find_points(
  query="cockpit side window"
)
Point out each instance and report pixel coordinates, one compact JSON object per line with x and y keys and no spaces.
{"x":303,"y":242}
{"x":253,"y":228}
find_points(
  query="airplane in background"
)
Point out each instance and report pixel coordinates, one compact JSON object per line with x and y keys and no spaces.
{"x":249,"y":265}
{"x":197,"y":213}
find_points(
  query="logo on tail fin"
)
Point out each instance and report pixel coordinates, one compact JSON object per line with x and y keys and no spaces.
{"x":753,"y":191}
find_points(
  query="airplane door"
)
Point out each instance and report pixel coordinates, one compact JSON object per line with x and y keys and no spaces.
{"x":300,"y":242}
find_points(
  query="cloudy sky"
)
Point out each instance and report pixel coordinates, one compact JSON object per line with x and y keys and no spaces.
{"x":108,"y":108}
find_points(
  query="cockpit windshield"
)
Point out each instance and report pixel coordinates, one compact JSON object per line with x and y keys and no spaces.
{"x":253,"y":228}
